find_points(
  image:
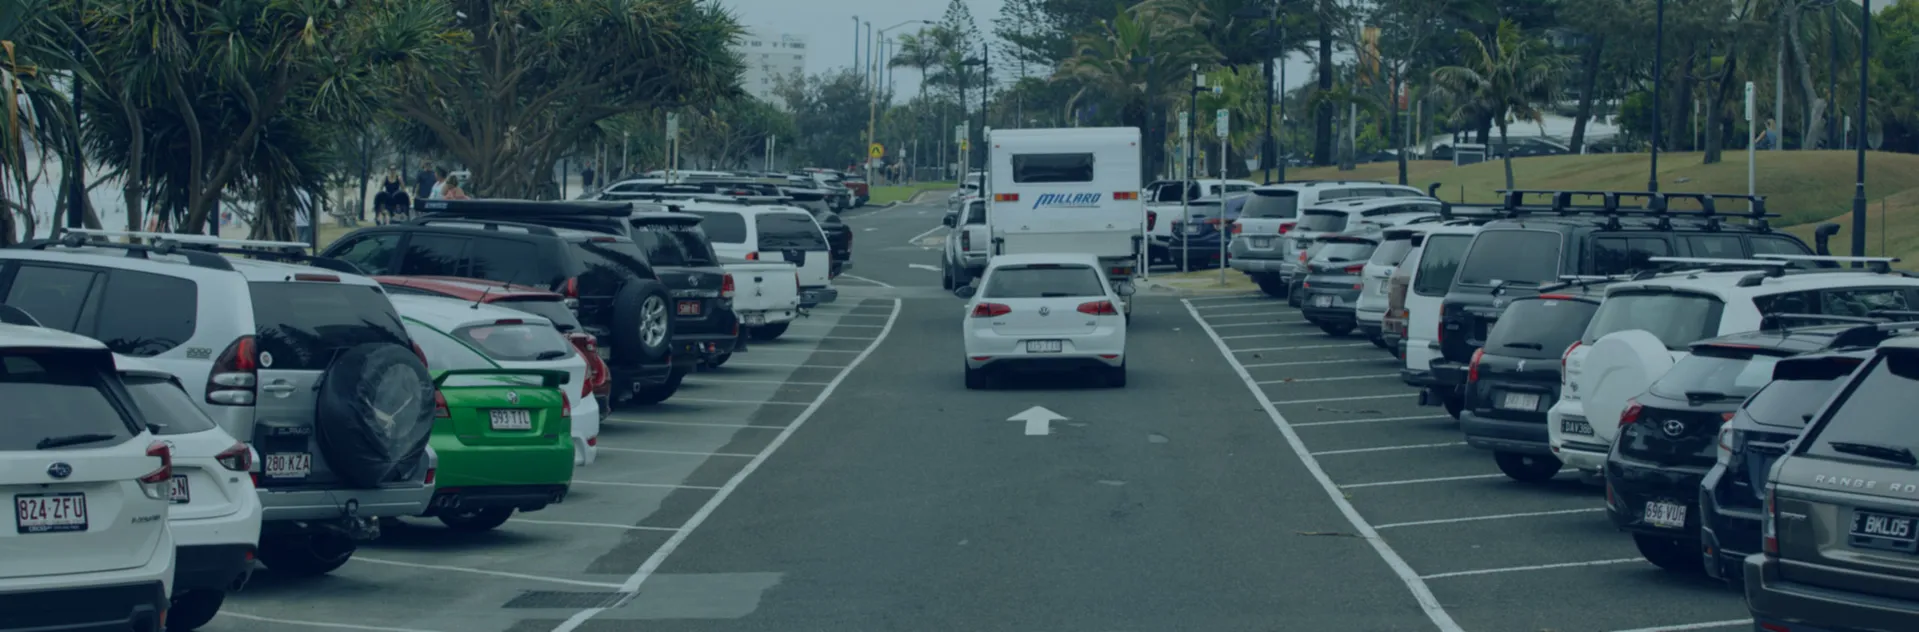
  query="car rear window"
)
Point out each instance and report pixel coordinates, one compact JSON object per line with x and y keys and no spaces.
{"x":1512,"y":256}
{"x":1678,"y":319}
{"x":1281,"y":204}
{"x":1438,"y":263}
{"x":550,"y":308}
{"x":1733,"y":375}
{"x":1873,"y":413}
{"x":1043,"y":281}
{"x":516,"y":342}
{"x":301,"y":326}
{"x":976,"y":214}
{"x":1046,"y":168}
{"x":1391,"y":252}
{"x":1322,"y":221}
{"x":70,"y":396}
{"x":1790,"y":403}
{"x":443,"y":352}
{"x":166,"y":405}
{"x":722,"y":226}
{"x":780,"y":231}
{"x":661,"y":248}
{"x":1343,"y":251}
{"x":1539,"y":328}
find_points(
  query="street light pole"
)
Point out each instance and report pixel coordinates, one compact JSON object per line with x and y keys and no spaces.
{"x":1658,"y":61}
{"x":1267,"y":150}
{"x":1859,"y":188}
{"x":858,"y":70}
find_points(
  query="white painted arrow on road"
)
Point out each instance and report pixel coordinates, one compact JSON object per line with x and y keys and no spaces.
{"x":1038,"y":420}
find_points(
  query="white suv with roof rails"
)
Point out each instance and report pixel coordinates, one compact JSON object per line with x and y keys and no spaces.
{"x":308,"y":364}
{"x":1643,"y":326}
{"x":1260,"y":246}
{"x":86,"y":482}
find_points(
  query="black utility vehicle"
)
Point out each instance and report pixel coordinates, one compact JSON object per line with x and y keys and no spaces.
{"x":1514,"y":379}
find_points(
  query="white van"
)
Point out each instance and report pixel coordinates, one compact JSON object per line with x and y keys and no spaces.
{"x":1436,"y":263}
{"x":1071,"y":190}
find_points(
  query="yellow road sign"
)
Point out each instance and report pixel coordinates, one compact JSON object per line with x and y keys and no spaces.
{"x":965,"y":145}
{"x":875,"y":150}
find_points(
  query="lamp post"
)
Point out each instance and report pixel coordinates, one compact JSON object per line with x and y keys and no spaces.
{"x":1859,"y":188}
{"x":873,"y":96}
{"x":1658,"y":60}
{"x":858,"y":70}
{"x":1191,"y":181}
{"x":966,"y":164}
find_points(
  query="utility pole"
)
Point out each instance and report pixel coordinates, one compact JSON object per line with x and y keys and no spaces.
{"x":858,"y":69}
{"x":1658,"y":63}
{"x":1189,"y":182}
{"x":1859,"y":189}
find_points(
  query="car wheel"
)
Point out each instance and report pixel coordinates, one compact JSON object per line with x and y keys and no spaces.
{"x":764,"y":333}
{"x":649,"y":395}
{"x":307,"y":554}
{"x":978,"y":379}
{"x":643,"y":322}
{"x":1527,"y":468}
{"x":715,"y":361}
{"x":194,"y":608}
{"x":1336,"y":329}
{"x":1271,"y":285}
{"x":961,"y":277}
{"x":1672,"y":554}
{"x":1453,"y":406}
{"x":1293,"y":298}
{"x":477,"y":520}
{"x":1377,"y":341}
{"x":946,"y":277}
{"x":1116,"y":376}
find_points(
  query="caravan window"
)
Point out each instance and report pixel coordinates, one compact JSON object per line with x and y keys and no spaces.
{"x":1047,"y":168}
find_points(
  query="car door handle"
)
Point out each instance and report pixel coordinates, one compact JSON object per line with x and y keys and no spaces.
{"x":278,"y":387}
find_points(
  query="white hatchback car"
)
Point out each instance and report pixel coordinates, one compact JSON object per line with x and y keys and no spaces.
{"x":215,"y":511}
{"x":87,"y":544}
{"x":1048,"y":311}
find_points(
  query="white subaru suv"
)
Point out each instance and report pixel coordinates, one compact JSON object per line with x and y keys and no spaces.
{"x":88,"y":545}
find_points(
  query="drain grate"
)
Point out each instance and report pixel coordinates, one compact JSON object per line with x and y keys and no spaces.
{"x":567,"y":599}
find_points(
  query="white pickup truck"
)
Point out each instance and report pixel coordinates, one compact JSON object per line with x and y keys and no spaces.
{"x":766,"y":296}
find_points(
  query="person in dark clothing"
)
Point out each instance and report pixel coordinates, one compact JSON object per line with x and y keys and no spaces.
{"x":586,"y":177}
{"x":424,"y":180}
{"x":390,"y":203}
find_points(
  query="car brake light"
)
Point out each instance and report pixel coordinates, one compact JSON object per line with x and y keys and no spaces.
{"x":503,"y":321}
{"x":234,"y":374}
{"x":726,"y":286}
{"x":566,"y":405}
{"x":989,"y":310}
{"x":1356,"y":269}
{"x":1770,"y":526}
{"x":321,"y":278}
{"x":1565,"y":356}
{"x":1286,"y":227}
{"x":238,"y":458}
{"x":439,"y":406}
{"x":1126,"y":195}
{"x":1098,"y":308}
{"x":572,"y":293}
{"x":1152,"y":219}
{"x":1630,"y":415}
{"x":1723,"y":455}
{"x":752,"y":256}
{"x":1005,"y":197}
{"x":966,"y":241}
{"x":1559,"y":297}
{"x":164,"y":474}
{"x":1237,"y":229}
{"x":1472,"y":370}
{"x":431,"y":473}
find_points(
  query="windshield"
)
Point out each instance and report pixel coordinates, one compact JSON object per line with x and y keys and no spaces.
{"x":1791,"y":403}
{"x":1323,"y":221}
{"x":1873,"y":413}
{"x":302,"y":326}
{"x":1677,"y":319}
{"x":780,"y":231}
{"x":1731,"y":375}
{"x":1438,"y":262}
{"x":552,"y":308}
{"x":1342,"y":251}
{"x":1042,"y":281}
{"x":514,"y":341}
{"x":166,"y":405}
{"x":1539,"y":328}
{"x":1281,"y":204}
{"x":71,"y":396}
{"x":1391,"y":252}
{"x":1513,"y":256}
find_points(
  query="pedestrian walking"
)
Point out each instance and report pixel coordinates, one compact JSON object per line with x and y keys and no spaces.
{"x":586,"y":177}
{"x":439,"y":185}
{"x":424,"y":180}
{"x":303,"y":217}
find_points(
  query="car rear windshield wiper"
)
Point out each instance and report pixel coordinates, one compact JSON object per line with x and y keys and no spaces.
{"x":1695,"y":397}
{"x":550,"y":355}
{"x":1875,"y":451}
{"x":1055,"y":294}
{"x":1526,"y":345}
{"x":75,"y":439}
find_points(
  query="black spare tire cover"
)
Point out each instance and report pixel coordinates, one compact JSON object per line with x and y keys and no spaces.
{"x":630,"y":314}
{"x":374,"y":414}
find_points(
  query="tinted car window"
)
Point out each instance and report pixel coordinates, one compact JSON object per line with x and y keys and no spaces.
{"x":693,"y":242}
{"x":304,"y":325}
{"x":549,"y":308}
{"x":1860,"y":301}
{"x":53,"y":296}
{"x":1676,"y":318}
{"x":166,"y":405}
{"x":976,"y":214}
{"x":434,"y":255}
{"x":1044,"y":168}
{"x":1790,"y":403}
{"x":1716,"y":247}
{"x":1322,"y":221}
{"x":1873,"y":412}
{"x":1391,"y":252}
{"x":443,"y":352}
{"x":516,"y":342}
{"x":145,"y":315}
{"x":1621,"y":255}
{"x":70,"y":395}
{"x":1343,"y":251}
{"x":500,"y":259}
{"x":371,"y":254}
{"x":1041,"y":281}
{"x":779,"y":231}
{"x":1539,"y":328}
{"x":1271,"y":204}
{"x":661,"y":248}
{"x":1439,"y":262}
{"x":1735,"y":375}
{"x":608,"y":266}
{"x":1777,"y":246}
{"x":723,"y":227}
{"x":1513,"y":256}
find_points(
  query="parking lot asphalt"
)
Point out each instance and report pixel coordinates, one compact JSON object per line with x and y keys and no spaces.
{"x":1254,"y":475}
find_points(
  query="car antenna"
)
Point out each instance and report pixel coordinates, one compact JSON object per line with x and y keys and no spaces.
{"x":482,"y":299}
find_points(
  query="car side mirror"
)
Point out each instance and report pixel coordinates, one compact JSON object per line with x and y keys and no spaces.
{"x":1124,"y":289}
{"x":949,"y":221}
{"x":966,"y":291}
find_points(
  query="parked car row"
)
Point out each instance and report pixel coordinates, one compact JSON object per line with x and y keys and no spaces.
{"x":211,"y":402}
{"x":1735,"y":392}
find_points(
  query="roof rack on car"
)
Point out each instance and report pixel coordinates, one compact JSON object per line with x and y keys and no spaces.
{"x":486,"y":223}
{"x":195,"y":258}
{"x":1878,"y":265}
{"x":1687,"y":265}
{"x":1582,"y":281}
{"x":522,"y":207}
{"x":200,"y":251}
{"x":1655,"y":204}
{"x":1865,"y":331}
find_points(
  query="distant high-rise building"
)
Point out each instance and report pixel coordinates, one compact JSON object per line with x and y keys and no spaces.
{"x":770,"y":56}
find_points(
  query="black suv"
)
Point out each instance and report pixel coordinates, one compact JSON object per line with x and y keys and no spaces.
{"x":1514,"y":379}
{"x":616,"y":293}
{"x":1537,"y":244}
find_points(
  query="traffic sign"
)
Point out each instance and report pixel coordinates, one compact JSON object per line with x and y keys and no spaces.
{"x":875,"y":150}
{"x":965,"y":145}
{"x":1221,"y":120}
{"x":672,"y":124}
{"x":959,"y":133}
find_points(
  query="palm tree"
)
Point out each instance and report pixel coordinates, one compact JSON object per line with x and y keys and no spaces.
{"x":1137,"y":59}
{"x":33,"y":52}
{"x":918,"y":51}
{"x":1508,"y":79}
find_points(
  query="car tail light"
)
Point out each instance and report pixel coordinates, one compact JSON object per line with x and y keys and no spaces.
{"x":319,"y":278}
{"x":431,"y":473}
{"x":1723,"y":455}
{"x":1126,"y":195}
{"x":1770,"y":522}
{"x":989,"y":310}
{"x":593,"y":440}
{"x":1630,"y":415}
{"x":1098,"y":308}
{"x":1005,"y":197}
{"x":153,"y":481}
{"x":726,"y":286}
{"x":439,"y":406}
{"x":1286,"y":227}
{"x":1563,"y":358}
{"x":1237,"y":229}
{"x":572,"y":293}
{"x":966,"y":240}
{"x":752,"y":256}
{"x":1355,"y":269}
{"x":235,"y":374}
{"x":1472,"y":370}
{"x":566,"y":405}
{"x":1152,"y":219}
{"x":596,"y":372}
{"x":238,"y":458}
{"x":1121,"y":271}
{"x":1302,"y":256}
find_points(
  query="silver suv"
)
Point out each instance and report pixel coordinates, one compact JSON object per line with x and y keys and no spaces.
{"x":1841,"y":519}
{"x":309,"y":364}
{"x":966,"y":245}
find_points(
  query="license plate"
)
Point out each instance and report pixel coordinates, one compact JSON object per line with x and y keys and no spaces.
{"x":1045,"y":346}
{"x":810,"y":296}
{"x":178,"y":494}
{"x":50,"y":513}
{"x":289,"y":465}
{"x":1262,"y":242}
{"x":1575,"y":426}
{"x":1881,"y":531}
{"x":511,"y":419}
{"x":1322,"y":301}
{"x":689,"y":308}
{"x":1666,"y":515}
{"x":753,"y":319}
{"x":1520,"y":401}
{"x":1193,"y":229}
{"x":606,"y":353}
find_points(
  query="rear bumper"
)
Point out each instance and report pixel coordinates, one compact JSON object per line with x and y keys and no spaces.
{"x":692,"y":349}
{"x":1251,"y":265}
{"x":335,"y":504}
{"x":210,"y":566}
{"x":1329,"y":315}
{"x":818,"y":295}
{"x":1448,"y":374}
{"x":1504,"y":435}
{"x":1634,"y":484}
{"x":522,"y":497}
{"x":1048,"y":362}
{"x":1417,"y":378}
{"x":112,"y":607}
{"x":1803,"y":608}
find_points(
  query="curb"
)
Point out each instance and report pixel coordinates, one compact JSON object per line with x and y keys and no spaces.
{"x":1156,"y":288}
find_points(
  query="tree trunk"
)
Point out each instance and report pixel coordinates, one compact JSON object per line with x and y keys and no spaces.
{"x":1323,"y":121}
{"x":133,"y":185}
{"x":1715,"y":111}
{"x":1815,"y":106}
{"x":1505,"y":156}
{"x":1588,"y":91}
{"x":1680,"y":117}
{"x":1397,"y":138}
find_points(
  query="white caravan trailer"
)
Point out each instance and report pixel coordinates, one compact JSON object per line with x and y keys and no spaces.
{"x":1068,"y":190}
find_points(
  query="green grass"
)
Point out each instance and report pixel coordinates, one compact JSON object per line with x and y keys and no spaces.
{"x":1204,"y":280}
{"x":904,"y":192}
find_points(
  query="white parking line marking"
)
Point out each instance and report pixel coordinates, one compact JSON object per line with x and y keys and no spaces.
{"x":1343,"y":422}
{"x":228,"y":612}
{"x":742,"y":402}
{"x":1258,"y":324}
{"x":813,"y":338}
{"x":679,"y":452}
{"x":915,"y":240}
{"x":648,"y":485}
{"x":1310,"y":363}
{"x":1391,"y":448}
{"x":856,"y":277}
{"x":482,"y":571}
{"x":761,"y":349}
{"x":832,"y":325}
{"x":1427,"y":602}
{"x":1370,"y":376}
{"x":1709,"y":625}
{"x":602,"y":525}
{"x":1341,"y":399}
{"x":1416,"y":481}
{"x":851,"y":315}
{"x":1284,"y":335}
{"x":1529,"y":514}
{"x":1303,"y":348}
{"x":672,"y":544}
{"x":652,"y":422}
{"x":1540,"y":567}
{"x":1233,"y":297}
{"x":922,"y":266}
{"x":777,"y":365}
{"x":702,"y":378}
{"x":1289,"y":315}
